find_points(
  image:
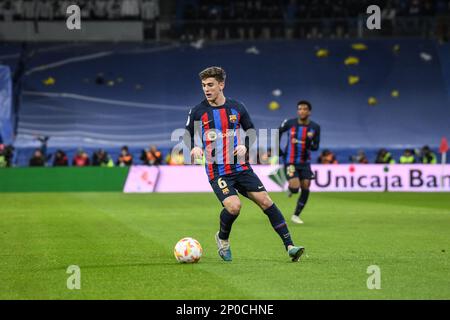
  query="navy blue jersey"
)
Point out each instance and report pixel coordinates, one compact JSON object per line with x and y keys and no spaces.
{"x":219,"y":135}
{"x":302,"y":139}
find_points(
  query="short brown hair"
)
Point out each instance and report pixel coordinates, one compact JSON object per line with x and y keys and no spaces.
{"x":213,"y":72}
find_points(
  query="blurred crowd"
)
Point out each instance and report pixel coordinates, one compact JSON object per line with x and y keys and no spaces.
{"x":251,"y":19}
{"x":153,"y":156}
{"x":424,"y":156}
{"x":89,"y":9}
{"x":409,"y":156}
{"x":6,"y":155}
{"x":99,"y":158}
{"x":305,"y":18}
{"x":304,"y":9}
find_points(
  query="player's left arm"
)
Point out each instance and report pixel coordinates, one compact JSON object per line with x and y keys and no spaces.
{"x":284,"y":126}
{"x":246,"y":124}
{"x":315,"y":143}
{"x":246,"y":121}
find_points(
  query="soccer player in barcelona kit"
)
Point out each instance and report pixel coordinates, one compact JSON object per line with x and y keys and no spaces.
{"x":303,"y":137}
{"x":220,"y":119}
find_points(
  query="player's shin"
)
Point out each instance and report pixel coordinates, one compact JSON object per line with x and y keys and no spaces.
{"x":226,"y":221}
{"x":301,"y":202}
{"x":279,"y":224}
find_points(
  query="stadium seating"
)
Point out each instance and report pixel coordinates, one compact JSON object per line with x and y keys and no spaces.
{"x":108,"y":95}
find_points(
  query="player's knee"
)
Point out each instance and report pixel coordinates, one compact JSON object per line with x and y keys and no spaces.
{"x":293,"y":190}
{"x":265,"y":203}
{"x":294,"y":184}
{"x":305,"y":187}
{"x":234,"y":208}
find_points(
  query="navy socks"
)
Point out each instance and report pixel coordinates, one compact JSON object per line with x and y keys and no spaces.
{"x":226,"y":221}
{"x":279,"y":224}
{"x":301,"y":201}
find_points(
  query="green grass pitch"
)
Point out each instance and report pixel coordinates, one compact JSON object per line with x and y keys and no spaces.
{"x":123,"y":244}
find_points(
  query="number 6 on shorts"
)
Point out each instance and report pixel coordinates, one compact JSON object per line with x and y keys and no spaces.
{"x":222,"y":184}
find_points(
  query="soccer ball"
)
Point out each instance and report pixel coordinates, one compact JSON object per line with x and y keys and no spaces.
{"x":188,"y":250}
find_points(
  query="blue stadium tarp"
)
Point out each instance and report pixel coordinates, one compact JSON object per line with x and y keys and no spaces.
{"x":109,"y":95}
{"x":6,"y":112}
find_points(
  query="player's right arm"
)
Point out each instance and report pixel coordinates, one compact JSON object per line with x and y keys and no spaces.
{"x":316,"y":139}
{"x":282,"y":129}
{"x":189,"y":138}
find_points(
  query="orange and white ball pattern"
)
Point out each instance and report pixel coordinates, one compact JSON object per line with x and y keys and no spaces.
{"x":188,"y":250}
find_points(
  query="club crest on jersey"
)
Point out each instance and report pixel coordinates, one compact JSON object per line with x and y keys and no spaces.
{"x":310,"y":134}
{"x":233,"y":118}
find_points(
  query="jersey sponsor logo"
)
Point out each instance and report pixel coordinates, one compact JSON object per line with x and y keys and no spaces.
{"x":211,"y":135}
{"x":233,"y":118}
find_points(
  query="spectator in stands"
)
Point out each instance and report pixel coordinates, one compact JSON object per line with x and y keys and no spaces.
{"x":388,"y":14}
{"x":6,"y":10}
{"x":17,"y":9}
{"x":415,"y":8}
{"x":384,"y":156}
{"x":113,"y":9}
{"x":3,"y":163}
{"x":176,"y":160}
{"x":44,"y":10}
{"x":86,"y":8}
{"x":43,"y":140}
{"x":60,"y":9}
{"x":407,"y":157}
{"x":151,"y":157}
{"x":29,"y":9}
{"x":125,"y":159}
{"x":101,"y":158}
{"x":150,"y":10}
{"x":360,"y":158}
{"x":129,"y":9}
{"x":60,"y":159}
{"x":427,"y":156}
{"x":38,"y":159}
{"x":6,"y":155}
{"x":81,"y":159}
{"x":99,"y":9}
{"x":327,"y":157}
